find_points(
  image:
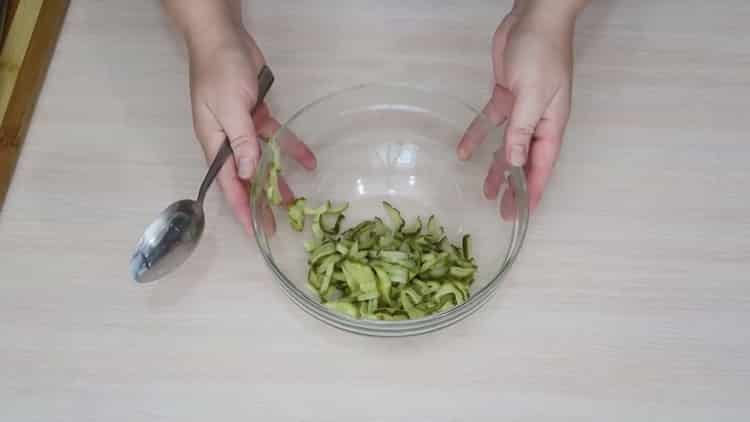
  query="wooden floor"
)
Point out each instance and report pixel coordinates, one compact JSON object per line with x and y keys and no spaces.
{"x":630,"y":300}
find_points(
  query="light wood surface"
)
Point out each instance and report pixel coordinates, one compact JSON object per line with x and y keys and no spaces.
{"x":630,"y":302}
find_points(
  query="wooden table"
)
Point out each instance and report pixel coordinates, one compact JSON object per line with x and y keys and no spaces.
{"x":631,"y":300}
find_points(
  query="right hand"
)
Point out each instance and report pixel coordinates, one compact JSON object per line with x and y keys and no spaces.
{"x":224,"y":88}
{"x":533,"y":63}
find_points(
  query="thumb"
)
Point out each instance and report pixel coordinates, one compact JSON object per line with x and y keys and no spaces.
{"x":238,"y":126}
{"x":527,"y":110}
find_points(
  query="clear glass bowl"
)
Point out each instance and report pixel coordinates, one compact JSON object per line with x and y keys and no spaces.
{"x":394,"y":143}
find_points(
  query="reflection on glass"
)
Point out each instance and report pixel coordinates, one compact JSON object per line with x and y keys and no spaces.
{"x":399,"y":155}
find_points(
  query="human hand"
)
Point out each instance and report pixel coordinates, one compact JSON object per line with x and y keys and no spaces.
{"x":224,"y":88}
{"x":532,"y":60}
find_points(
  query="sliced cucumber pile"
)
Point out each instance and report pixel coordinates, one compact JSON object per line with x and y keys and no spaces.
{"x":378,"y":270}
{"x":383,"y":271}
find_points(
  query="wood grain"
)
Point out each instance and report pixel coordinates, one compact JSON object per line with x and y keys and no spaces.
{"x":630,"y":301}
{"x":21,"y":86}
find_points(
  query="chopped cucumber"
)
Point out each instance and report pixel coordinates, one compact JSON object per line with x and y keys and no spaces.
{"x":297,"y":214}
{"x":373,"y":271}
{"x":394,"y":215}
{"x":273,"y":194}
{"x":377,"y":271}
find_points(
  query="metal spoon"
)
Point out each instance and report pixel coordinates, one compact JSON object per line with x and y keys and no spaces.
{"x":173,"y":236}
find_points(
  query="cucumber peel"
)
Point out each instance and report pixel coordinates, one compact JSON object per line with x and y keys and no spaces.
{"x":273,"y":194}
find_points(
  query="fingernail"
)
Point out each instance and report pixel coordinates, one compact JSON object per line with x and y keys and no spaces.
{"x":245,"y":168}
{"x":313,"y":163}
{"x":518,"y":155}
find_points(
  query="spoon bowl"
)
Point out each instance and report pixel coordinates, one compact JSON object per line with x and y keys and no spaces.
{"x":168,"y":241}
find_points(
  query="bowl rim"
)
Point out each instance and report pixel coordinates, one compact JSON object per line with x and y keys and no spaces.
{"x":409,"y":327}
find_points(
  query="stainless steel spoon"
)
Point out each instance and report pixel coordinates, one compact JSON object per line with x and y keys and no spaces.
{"x":172,"y":237}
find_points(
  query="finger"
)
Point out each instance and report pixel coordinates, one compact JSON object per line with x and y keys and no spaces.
{"x":542,"y":158}
{"x":289,"y":143}
{"x":235,"y":191}
{"x":267,"y":219}
{"x":495,"y":176}
{"x":496,"y":111}
{"x":528,"y":108}
{"x":500,"y":40}
{"x":508,"y":204}
{"x":287,"y":196}
{"x":235,"y":119}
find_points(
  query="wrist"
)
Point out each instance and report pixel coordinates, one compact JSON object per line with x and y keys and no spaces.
{"x":552,"y":14}
{"x":205,"y":39}
{"x":206,"y":24}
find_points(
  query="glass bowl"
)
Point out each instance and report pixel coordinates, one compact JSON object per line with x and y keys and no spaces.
{"x":394,"y":143}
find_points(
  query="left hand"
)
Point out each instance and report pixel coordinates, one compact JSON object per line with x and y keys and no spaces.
{"x":532,"y":58}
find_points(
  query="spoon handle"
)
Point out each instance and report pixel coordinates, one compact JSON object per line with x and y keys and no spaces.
{"x":265,"y":80}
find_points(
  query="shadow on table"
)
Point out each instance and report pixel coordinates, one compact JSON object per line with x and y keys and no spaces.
{"x":173,"y":288}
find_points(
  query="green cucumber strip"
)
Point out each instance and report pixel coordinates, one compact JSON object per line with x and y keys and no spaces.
{"x":316,"y":211}
{"x":432,"y":287}
{"x":331,"y":223}
{"x":434,"y":230}
{"x":351,"y":281}
{"x":275,"y":153}
{"x":344,"y":307}
{"x":372,"y":305}
{"x":384,"y":285}
{"x":397,"y":222}
{"x":414,"y":228}
{"x":333,"y":258}
{"x":464,"y":289}
{"x":413,"y":295}
{"x":363,"y":274}
{"x":461,"y":272}
{"x":379,"y":226}
{"x":367,"y":239}
{"x":438,"y":271}
{"x":386,"y":240}
{"x":318,"y":233}
{"x":327,"y":278}
{"x":446,"y":306}
{"x":272,"y":190}
{"x":394,"y":257}
{"x":448,"y":290}
{"x":337,"y":210}
{"x":466,"y":246}
{"x":272,"y":186}
{"x":296,"y":214}
{"x":321,"y":252}
{"x":313,"y":280}
{"x":410,"y":307}
{"x":342,"y":249}
{"x":311,"y":245}
{"x":354,"y":248}
{"x":464,"y":263}
{"x":367,"y":296}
